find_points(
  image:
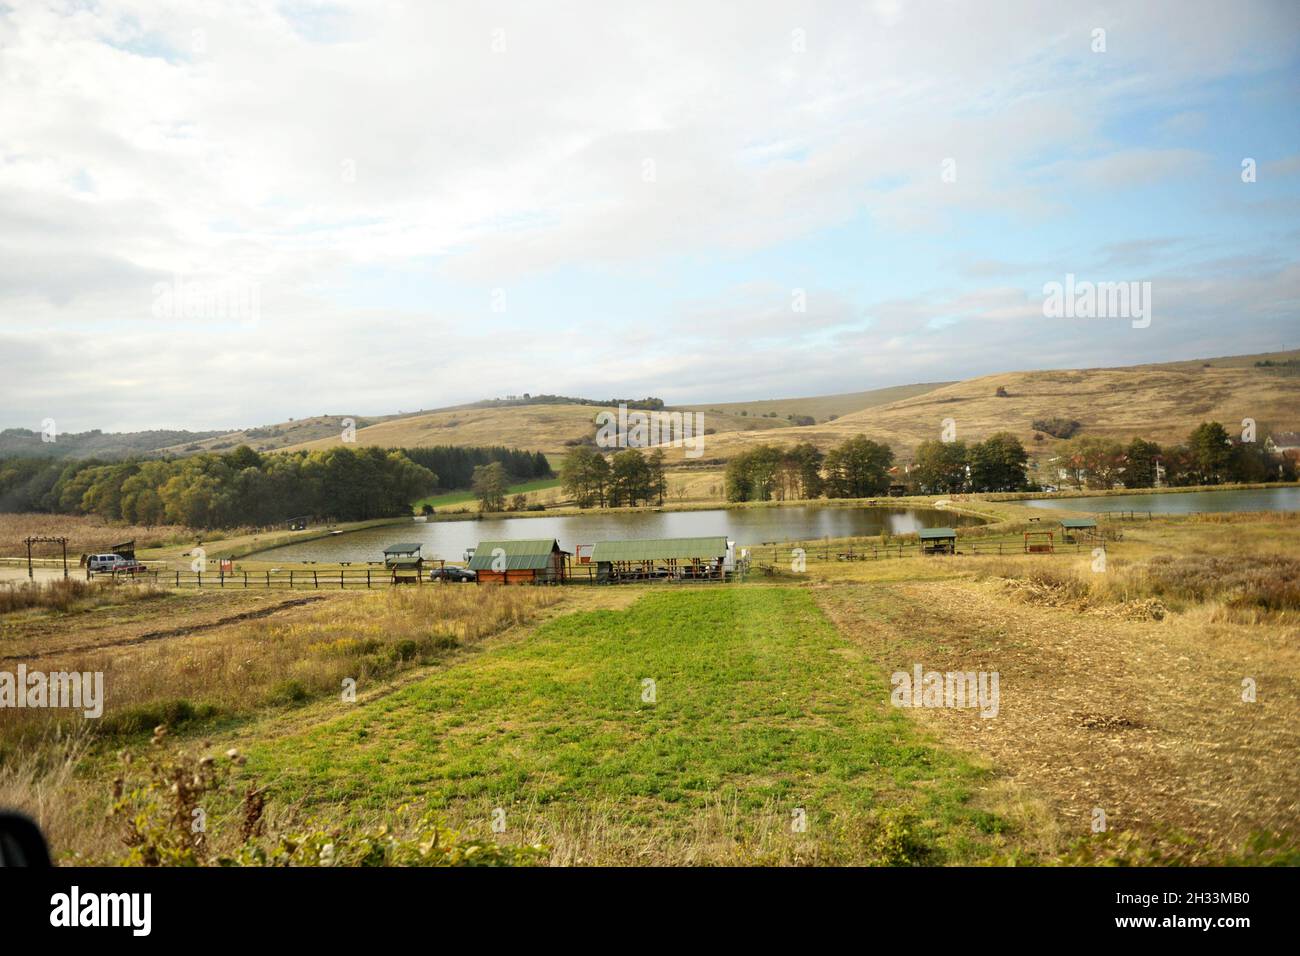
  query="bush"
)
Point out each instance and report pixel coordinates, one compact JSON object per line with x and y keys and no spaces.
{"x":1057,"y":427}
{"x":158,"y":806}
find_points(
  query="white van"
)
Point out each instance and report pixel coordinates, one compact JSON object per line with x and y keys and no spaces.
{"x":108,"y":563}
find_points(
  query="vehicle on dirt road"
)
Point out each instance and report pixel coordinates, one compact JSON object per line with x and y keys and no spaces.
{"x":112,"y":564}
{"x":454,"y":575}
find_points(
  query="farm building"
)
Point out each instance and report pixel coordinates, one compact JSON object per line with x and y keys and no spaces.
{"x":640,"y":559}
{"x":541,"y":561}
{"x":1075,"y":528}
{"x":938,"y":541}
{"x":404,"y":562}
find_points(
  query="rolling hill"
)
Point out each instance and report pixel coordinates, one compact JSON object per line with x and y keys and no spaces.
{"x":1162,"y":402}
{"x":820,"y":407}
{"x":548,"y":428}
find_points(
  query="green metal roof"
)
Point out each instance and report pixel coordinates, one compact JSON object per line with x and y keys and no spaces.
{"x":659,"y":549}
{"x":531,"y":555}
{"x":409,"y":547}
{"x":1078,"y":523}
{"x":928,"y":533}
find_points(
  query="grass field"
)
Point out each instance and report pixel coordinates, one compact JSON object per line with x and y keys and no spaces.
{"x":1120,"y":692}
{"x":467,"y":497}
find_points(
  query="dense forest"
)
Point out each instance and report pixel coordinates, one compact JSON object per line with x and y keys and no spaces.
{"x":454,"y":464}
{"x":243,"y":487}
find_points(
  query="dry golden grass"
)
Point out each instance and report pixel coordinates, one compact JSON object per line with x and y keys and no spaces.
{"x":1160,"y":403}
{"x":821,"y":407}
{"x":85,"y":534}
{"x":157,"y":670}
{"x":544,"y":428}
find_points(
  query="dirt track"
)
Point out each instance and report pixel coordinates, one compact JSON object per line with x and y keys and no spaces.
{"x":1142,"y":719}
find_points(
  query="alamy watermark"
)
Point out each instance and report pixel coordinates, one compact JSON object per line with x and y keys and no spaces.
{"x":923,"y":688}
{"x":232,"y":299}
{"x":83,"y":691}
{"x":638,"y":429}
{"x":1098,"y":300}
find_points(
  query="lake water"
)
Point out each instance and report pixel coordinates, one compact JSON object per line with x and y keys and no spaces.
{"x":745,"y":526}
{"x":1246,"y":499}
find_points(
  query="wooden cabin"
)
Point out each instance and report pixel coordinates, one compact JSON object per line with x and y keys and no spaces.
{"x":1073,"y":529}
{"x":540,"y":561}
{"x":647,"y":558}
{"x":404,"y":563}
{"x":938,"y":541}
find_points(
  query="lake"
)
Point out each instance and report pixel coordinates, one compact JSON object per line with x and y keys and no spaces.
{"x":745,"y":526}
{"x":1243,"y":499}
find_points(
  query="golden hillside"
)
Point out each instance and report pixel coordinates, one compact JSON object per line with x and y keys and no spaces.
{"x":545,"y":428}
{"x":1160,"y":402}
{"x":820,"y":407}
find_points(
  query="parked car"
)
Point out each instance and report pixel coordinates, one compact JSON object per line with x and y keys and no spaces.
{"x":112,"y":563}
{"x":454,"y":575}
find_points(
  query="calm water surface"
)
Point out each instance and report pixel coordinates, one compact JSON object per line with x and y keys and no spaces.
{"x":746,"y":526}
{"x":1256,"y":499}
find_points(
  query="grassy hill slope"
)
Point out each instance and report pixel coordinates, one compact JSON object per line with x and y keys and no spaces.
{"x":547,"y":428}
{"x":1160,"y":402}
{"x":820,"y":407}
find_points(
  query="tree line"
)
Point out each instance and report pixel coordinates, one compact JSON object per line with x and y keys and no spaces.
{"x":239,"y":488}
{"x":1209,"y":456}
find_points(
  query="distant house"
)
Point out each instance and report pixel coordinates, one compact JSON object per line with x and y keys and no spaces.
{"x":539,"y":561}
{"x":1283,"y":443}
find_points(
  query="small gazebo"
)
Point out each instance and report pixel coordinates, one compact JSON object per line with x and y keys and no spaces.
{"x":404,"y":562}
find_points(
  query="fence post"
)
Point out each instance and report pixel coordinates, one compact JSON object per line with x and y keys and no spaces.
{"x":200,"y":574}
{"x":315,"y":580}
{"x":178,"y":578}
{"x":268,"y":580}
{"x":367,"y":579}
{"x":245,"y":579}
{"x":291,"y":578}
{"x":340,"y":579}
{"x":222,"y":578}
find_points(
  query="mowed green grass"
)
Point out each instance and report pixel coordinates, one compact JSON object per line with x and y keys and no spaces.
{"x":761,"y":709}
{"x":460,"y":497}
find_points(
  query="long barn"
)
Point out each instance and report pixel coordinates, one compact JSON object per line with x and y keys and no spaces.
{"x":640,"y":559}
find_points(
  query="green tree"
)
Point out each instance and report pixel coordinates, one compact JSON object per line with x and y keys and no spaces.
{"x":629,"y":478}
{"x":858,"y":468}
{"x":998,"y":463}
{"x":490,"y":485}
{"x":1211,"y":452}
{"x":1141,"y":456}
{"x":940,"y":467}
{"x":585,"y":476}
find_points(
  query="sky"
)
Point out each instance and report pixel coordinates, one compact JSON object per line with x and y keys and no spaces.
{"x":218,"y":215}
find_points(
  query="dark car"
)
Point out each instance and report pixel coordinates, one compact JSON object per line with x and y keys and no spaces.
{"x":454,"y":575}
